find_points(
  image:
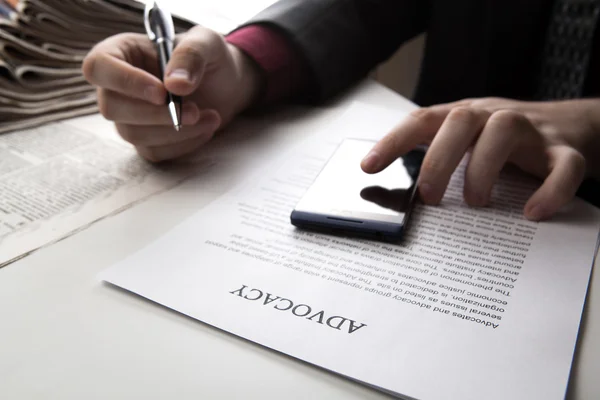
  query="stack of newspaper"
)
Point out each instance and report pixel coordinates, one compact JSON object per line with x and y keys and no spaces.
{"x":42,"y":46}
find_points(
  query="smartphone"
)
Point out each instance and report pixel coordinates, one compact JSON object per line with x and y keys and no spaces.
{"x":344,"y":200}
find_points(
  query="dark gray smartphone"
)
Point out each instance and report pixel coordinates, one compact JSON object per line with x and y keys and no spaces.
{"x":345,"y":200}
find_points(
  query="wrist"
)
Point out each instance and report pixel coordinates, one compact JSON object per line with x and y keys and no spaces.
{"x":251,"y":79}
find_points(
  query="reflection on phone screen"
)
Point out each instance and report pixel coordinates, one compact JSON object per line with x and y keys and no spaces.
{"x":394,"y":199}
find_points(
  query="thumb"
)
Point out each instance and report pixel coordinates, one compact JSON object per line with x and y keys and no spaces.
{"x":194,"y":51}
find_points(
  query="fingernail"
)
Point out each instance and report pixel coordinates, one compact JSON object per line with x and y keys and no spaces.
{"x":479,"y":199}
{"x":371,"y":161}
{"x":426,"y":192}
{"x":180,"y":74}
{"x":190,"y":114}
{"x":213,"y":123}
{"x":154,"y":95}
{"x":536,"y":213}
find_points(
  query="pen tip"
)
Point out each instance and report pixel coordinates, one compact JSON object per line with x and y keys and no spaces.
{"x":175,"y":115}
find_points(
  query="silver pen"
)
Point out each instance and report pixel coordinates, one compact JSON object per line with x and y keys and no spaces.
{"x":160,"y":30}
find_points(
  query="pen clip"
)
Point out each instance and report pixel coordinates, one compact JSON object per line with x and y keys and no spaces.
{"x":158,"y":23}
{"x":149,"y":31}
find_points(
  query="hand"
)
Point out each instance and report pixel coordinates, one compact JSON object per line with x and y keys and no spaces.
{"x":554,"y":141}
{"x":216,"y":78}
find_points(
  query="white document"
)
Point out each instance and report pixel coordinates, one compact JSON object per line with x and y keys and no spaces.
{"x":60,"y":178}
{"x":476,"y":304}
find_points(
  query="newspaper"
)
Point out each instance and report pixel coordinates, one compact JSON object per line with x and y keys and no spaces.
{"x":57,"y":179}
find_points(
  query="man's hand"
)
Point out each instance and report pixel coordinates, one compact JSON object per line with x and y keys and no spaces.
{"x":216,"y":79}
{"x":555,"y":141}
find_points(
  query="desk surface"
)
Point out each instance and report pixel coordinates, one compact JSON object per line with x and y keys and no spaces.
{"x":66,"y":335}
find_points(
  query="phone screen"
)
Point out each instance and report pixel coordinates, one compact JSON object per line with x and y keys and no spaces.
{"x":343,"y":190}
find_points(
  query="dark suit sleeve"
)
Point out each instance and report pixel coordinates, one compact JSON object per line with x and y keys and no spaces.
{"x":342,"y":40}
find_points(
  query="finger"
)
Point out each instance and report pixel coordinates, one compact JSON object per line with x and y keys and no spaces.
{"x":447,"y":149}
{"x":126,"y":110}
{"x":417,"y":128}
{"x":194,"y":51}
{"x":173,"y":151}
{"x":559,"y":188}
{"x":155,"y":136}
{"x":110,"y":66}
{"x":502,"y":133}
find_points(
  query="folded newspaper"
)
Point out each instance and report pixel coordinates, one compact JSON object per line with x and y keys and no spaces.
{"x":42,"y":46}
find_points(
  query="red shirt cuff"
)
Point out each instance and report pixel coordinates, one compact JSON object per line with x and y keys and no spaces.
{"x":274,"y":54}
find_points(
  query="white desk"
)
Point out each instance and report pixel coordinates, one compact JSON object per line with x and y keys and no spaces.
{"x":65,"y":335}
